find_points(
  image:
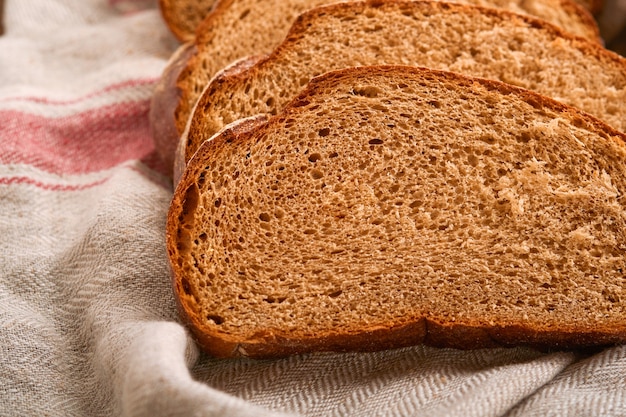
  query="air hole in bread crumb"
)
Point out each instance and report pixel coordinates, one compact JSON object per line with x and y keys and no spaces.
{"x":271,"y":299}
{"x":335,"y":294}
{"x":186,"y":286}
{"x":323,"y":132}
{"x":314,"y":157}
{"x":375,"y":141}
{"x":524,"y":137}
{"x":472,"y":160}
{"x":218,"y":202}
{"x":264,"y":217}
{"x":333,"y":155}
{"x":367,"y":91}
{"x":215,"y":319}
{"x":316,"y":174}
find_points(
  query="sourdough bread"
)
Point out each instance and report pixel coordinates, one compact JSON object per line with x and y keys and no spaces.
{"x":389,"y":206}
{"x":238,"y":28}
{"x":483,"y":42}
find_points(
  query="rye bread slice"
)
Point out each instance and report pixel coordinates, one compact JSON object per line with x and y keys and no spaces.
{"x":390,"y":206}
{"x":239,"y":28}
{"x":473,"y":40}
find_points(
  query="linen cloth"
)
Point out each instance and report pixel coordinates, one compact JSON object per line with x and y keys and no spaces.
{"x":88,"y":325}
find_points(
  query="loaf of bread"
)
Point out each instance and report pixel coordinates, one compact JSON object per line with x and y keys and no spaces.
{"x":390,"y":206}
{"x":483,"y":42}
{"x":239,"y":28}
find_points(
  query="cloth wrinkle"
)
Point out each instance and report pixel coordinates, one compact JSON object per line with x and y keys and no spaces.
{"x":88,"y":320}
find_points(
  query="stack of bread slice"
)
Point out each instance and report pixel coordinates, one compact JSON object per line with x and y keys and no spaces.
{"x":184,"y":16}
{"x":236,"y":29}
{"x":399,"y":172}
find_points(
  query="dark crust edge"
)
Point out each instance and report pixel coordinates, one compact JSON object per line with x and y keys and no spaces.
{"x":429,"y":330}
{"x":421,"y":330}
{"x":163,"y":104}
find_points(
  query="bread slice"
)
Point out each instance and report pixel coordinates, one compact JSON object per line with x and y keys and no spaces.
{"x":484,"y":42}
{"x":238,"y":28}
{"x":389,"y":206}
{"x":183,"y":16}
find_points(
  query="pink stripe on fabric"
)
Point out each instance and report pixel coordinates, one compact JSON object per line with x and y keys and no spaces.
{"x":51,"y":187}
{"x":106,"y":90}
{"x":87,"y":142}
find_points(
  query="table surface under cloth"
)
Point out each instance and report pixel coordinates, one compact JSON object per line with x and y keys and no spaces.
{"x":88,"y":325}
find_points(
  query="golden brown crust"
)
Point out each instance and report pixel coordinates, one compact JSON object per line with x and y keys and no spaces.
{"x":163,"y":104}
{"x":424,"y":327}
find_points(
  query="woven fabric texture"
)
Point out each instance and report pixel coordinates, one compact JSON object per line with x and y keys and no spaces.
{"x":88,"y":325}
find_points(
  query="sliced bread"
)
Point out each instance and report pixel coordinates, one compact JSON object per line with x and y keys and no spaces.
{"x":182,"y":17}
{"x":238,"y":28}
{"x":389,"y":206}
{"x":483,"y":42}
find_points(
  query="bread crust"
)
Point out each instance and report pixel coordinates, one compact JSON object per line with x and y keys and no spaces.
{"x":424,"y":327}
{"x":163,"y":104}
{"x":182,"y":24}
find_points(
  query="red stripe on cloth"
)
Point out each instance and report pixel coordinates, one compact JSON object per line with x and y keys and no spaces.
{"x":106,"y":90}
{"x":87,"y":142}
{"x":51,"y":187}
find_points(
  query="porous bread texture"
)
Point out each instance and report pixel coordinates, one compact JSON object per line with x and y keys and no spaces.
{"x":183,"y":16}
{"x":472,"y":40}
{"x":238,"y":28}
{"x":388,"y":206}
